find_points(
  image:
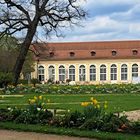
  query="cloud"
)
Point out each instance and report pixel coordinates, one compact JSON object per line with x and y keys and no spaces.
{"x":132,"y":15}
{"x":108,"y":20}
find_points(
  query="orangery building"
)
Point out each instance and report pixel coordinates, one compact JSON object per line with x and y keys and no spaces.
{"x":88,"y":62}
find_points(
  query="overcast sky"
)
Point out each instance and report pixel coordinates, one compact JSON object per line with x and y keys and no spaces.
{"x":107,"y":20}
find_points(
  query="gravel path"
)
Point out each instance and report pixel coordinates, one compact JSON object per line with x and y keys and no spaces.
{"x":14,"y":135}
{"x":133,"y":115}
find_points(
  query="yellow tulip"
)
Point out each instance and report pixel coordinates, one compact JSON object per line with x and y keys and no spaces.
{"x":35,"y":98}
{"x":32,"y":101}
{"x":95,"y":102}
{"x":91,"y":98}
{"x":40,"y":97}
{"x":84,"y":104}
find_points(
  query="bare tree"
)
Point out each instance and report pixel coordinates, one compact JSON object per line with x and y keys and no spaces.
{"x":29,"y":15}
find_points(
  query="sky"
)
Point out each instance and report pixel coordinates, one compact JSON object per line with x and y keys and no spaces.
{"x":107,"y":20}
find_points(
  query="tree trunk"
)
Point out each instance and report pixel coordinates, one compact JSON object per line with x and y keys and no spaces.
{"x":23,"y":53}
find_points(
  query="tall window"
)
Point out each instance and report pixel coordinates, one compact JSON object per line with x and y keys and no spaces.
{"x":51,"y":71}
{"x":102,"y":72}
{"x":113,"y":72}
{"x":72,"y":73}
{"x":92,"y":73}
{"x":62,"y":73}
{"x":41,"y":72}
{"x":82,"y":73}
{"x":134,"y":70}
{"x":124,"y":72}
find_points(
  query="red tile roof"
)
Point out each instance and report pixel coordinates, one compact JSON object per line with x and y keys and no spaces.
{"x":82,"y":50}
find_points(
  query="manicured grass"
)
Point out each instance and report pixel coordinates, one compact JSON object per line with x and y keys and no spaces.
{"x":116,"y":102}
{"x":68,"y":131}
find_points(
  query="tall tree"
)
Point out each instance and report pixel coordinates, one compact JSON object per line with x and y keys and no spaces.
{"x":29,"y":15}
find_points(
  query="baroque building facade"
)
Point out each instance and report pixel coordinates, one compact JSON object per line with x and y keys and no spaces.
{"x":88,"y":62}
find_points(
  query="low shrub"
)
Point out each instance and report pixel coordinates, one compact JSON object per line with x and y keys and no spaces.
{"x":35,"y":81}
{"x":23,"y":81}
{"x":35,"y":113}
{"x":5,"y":79}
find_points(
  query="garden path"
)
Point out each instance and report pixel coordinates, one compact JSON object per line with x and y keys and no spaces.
{"x":14,"y":135}
{"x":133,"y":115}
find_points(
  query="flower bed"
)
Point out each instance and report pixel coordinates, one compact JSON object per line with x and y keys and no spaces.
{"x":76,"y":89}
{"x":93,"y":117}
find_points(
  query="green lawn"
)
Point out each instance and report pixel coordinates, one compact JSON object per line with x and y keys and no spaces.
{"x":116,"y":102}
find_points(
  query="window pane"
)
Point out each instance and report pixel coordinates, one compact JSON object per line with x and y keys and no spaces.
{"x":41,"y":72}
{"x":72,"y":73}
{"x":82,"y":71}
{"x":134,"y":70}
{"x":62,"y":73}
{"x":113,"y":72}
{"x":51,"y":72}
{"x":92,"y":73}
{"x":124,"y":72}
{"x":102,"y":72}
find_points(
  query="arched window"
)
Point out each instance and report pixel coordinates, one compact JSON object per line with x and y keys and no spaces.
{"x":134,"y":70}
{"x":62,"y":73}
{"x":113,"y":72}
{"x":93,"y":53}
{"x":135,"y":52}
{"x":51,"y":72}
{"x":114,"y":53}
{"x":72,"y":73}
{"x":102,"y":72}
{"x":72,"y":54}
{"x":124,"y":72}
{"x":82,"y":73}
{"x":41,"y":72}
{"x":51,"y":54}
{"x":92,"y":73}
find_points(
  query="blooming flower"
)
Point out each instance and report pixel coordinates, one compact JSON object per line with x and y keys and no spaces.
{"x":91,"y":98}
{"x":84,"y":104}
{"x":95,"y":102}
{"x":38,"y":109}
{"x":9,"y":108}
{"x":35,"y":97}
{"x":40,"y":97}
{"x":32,"y":101}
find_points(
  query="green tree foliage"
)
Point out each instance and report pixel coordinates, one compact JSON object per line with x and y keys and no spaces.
{"x":9,"y":49}
{"x":5,"y":79}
